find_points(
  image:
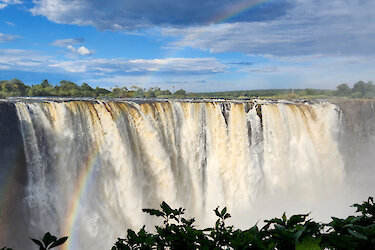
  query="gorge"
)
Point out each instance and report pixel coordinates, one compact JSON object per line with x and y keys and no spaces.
{"x":86,"y":168}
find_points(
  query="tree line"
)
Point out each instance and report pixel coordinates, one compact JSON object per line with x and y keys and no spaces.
{"x":360,"y":90}
{"x":65,"y":88}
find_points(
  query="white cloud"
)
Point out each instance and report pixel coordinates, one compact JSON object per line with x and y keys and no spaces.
{"x":133,"y":14}
{"x":199,"y":74}
{"x":264,"y":69}
{"x":337,"y":27}
{"x":23,"y":60}
{"x":276,"y":72}
{"x":5,"y":3}
{"x":311,"y":71}
{"x":71,"y":48}
{"x":7,"y":38}
{"x":11,"y":1}
{"x":27,"y":60}
{"x":171,"y":66}
{"x":290,"y":27}
{"x":68,"y":41}
{"x":83,"y":51}
{"x":10,"y":23}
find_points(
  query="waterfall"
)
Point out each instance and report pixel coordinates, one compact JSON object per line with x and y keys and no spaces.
{"x":93,"y":165}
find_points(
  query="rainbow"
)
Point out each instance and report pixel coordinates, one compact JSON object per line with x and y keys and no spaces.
{"x":79,"y":192}
{"x":236,"y":9}
{"x":229,"y":13}
{"x":81,"y":186}
{"x":86,"y":172}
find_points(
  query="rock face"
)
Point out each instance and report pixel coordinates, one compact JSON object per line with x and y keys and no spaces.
{"x":358,"y":133}
{"x":357,"y":142}
{"x":13,"y":180}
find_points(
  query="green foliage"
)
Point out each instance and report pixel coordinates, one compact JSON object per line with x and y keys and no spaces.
{"x":180,"y":93}
{"x":45,"y":84}
{"x":101,"y":91}
{"x":121,"y":92}
{"x":343,"y":90}
{"x":49,"y":241}
{"x":13,"y":87}
{"x":163,"y":93}
{"x":151,"y":92}
{"x":176,"y":232}
{"x":308,"y":243}
{"x":354,"y":232}
{"x":360,"y":90}
{"x":288,"y":233}
{"x":269,"y":93}
{"x":65,"y":88}
{"x":297,"y":232}
{"x":311,"y":92}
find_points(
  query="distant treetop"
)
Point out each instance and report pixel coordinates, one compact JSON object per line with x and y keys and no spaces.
{"x":65,"y":88}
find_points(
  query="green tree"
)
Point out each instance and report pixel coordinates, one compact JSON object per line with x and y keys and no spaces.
{"x":162,"y":93}
{"x":121,"y":92}
{"x":343,"y":90}
{"x":68,"y":85}
{"x":101,"y":91}
{"x":359,"y":89}
{"x":151,"y":93}
{"x":180,"y":93}
{"x":140,"y":92}
{"x":45,"y":84}
{"x":14,"y":87}
{"x":311,"y":92}
{"x":85,"y":87}
{"x":67,"y":88}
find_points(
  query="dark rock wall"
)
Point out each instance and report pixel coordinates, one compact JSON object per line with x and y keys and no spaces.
{"x":13,"y":177}
{"x":357,"y":137}
{"x":357,"y":145}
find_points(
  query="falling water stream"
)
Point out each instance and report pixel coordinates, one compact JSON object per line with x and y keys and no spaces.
{"x":93,"y":165}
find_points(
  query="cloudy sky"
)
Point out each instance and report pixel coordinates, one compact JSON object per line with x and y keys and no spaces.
{"x":198,"y":45}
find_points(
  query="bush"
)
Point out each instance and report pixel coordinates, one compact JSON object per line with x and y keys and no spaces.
{"x":297,"y":232}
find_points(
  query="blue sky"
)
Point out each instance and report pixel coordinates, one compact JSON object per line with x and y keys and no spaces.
{"x":196,"y":45}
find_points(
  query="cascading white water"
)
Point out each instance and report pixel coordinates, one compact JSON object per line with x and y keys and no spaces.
{"x":92,"y":166}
